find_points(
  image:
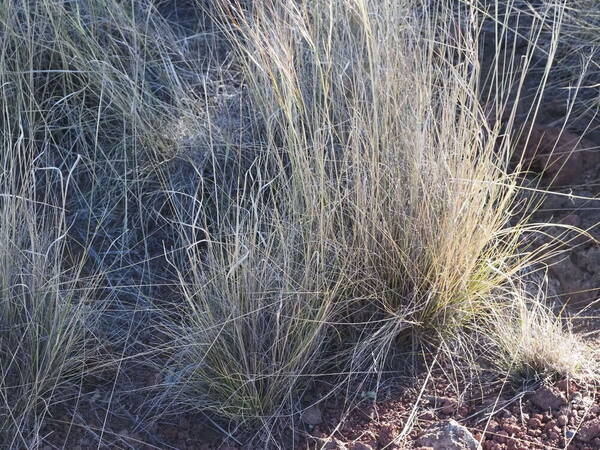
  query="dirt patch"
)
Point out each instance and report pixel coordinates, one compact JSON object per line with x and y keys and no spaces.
{"x":564,"y":414}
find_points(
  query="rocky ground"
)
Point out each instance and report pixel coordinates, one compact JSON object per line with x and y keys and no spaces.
{"x":561,"y":415}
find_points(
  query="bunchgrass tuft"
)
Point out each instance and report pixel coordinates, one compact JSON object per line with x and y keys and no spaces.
{"x":531,"y":342}
{"x":380,"y":209}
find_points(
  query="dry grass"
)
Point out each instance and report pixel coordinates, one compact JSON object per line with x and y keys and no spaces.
{"x":83,"y":88}
{"x":361,"y":207}
{"x":47,"y":317}
{"x":534,"y":343}
{"x":379,"y":209}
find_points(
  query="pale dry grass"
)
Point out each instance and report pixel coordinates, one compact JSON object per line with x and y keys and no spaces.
{"x":47,"y":318}
{"x":379,"y":208}
{"x":535,"y":343}
{"x":362,"y":207}
{"x":85,"y":87}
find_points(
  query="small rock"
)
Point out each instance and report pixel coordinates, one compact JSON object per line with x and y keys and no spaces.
{"x":334,"y":444}
{"x":576,"y":398}
{"x":553,"y":436}
{"x":589,"y":430}
{"x":551,"y":425}
{"x":493,"y":425}
{"x":312,"y":415}
{"x":573,"y":421}
{"x":359,"y":446}
{"x":562,"y":420}
{"x":463,"y":411}
{"x":534,"y":422}
{"x":511,"y":428}
{"x":548,"y":397}
{"x":448,"y":435}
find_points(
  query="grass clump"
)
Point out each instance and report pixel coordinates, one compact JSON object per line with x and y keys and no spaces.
{"x":85,"y":87}
{"x":533,"y":343}
{"x":255,"y":323}
{"x":47,"y":319}
{"x":380,"y":208}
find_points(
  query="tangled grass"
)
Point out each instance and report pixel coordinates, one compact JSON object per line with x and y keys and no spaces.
{"x":362,"y":205}
{"x":379,"y":208}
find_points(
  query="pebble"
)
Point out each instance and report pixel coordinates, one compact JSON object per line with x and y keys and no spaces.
{"x":448,"y":435}
{"x":511,"y":428}
{"x":548,"y":397}
{"x":463,"y":411}
{"x":534,"y":422}
{"x":589,"y":430}
{"x":501,"y":437}
{"x":562,"y":420}
{"x":493,"y":425}
{"x":553,"y":436}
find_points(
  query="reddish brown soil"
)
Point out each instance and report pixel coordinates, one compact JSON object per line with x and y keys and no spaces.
{"x":520,"y":421}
